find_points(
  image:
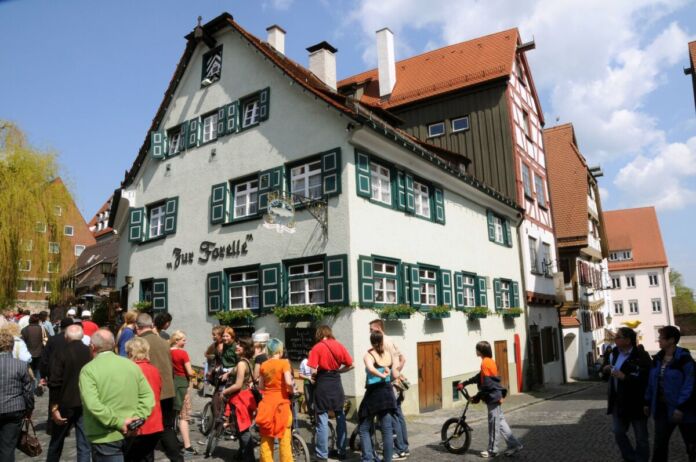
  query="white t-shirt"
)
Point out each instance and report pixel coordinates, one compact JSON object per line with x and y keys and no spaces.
{"x":304,"y":368}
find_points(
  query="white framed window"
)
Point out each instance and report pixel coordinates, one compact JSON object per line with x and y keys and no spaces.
{"x":633,"y":307}
{"x":540,"y":191}
{"x":656,"y":305}
{"x":251,"y":113}
{"x":156,"y":221}
{"x":24,"y":286}
{"x":654,"y":281}
{"x":79,"y":249}
{"x":499,"y":228}
{"x":68,"y":230}
{"x":58,"y":210}
{"x":547,"y":262}
{"x":210,"y":127}
{"x":381,"y":183}
{"x":47,"y":287}
{"x":246,"y":198}
{"x":27,"y":245}
{"x":505,"y":294}
{"x":526,"y":127}
{"x":306,"y":284}
{"x":615,"y":282}
{"x":436,"y":129}
{"x":244,"y":290}
{"x":460,"y":124}
{"x":305,"y":180}
{"x":469,"y":291}
{"x":25,"y":265}
{"x":421,"y":194}
{"x":53,"y":247}
{"x":533,"y":257}
{"x":40,"y":227}
{"x":526,"y":181}
{"x":627,"y":255}
{"x":385,"y":282}
{"x":630,"y":281}
{"x":176,"y":141}
{"x":618,"y":308}
{"x":52,"y":267}
{"x":36,"y":287}
{"x":428,"y":287}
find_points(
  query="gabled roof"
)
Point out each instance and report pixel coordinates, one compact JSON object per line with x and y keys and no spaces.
{"x":567,"y":176}
{"x":444,"y":70}
{"x":95,"y":219}
{"x":638,"y":230}
{"x":87,"y":270}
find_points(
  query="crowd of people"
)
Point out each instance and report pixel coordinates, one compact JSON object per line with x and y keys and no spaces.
{"x":121,"y":393}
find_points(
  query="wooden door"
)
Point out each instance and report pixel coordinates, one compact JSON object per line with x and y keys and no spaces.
{"x":429,"y":376}
{"x":538,"y":361}
{"x":501,"y":360}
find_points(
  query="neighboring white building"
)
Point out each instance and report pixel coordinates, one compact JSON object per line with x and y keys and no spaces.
{"x":639,"y":272}
{"x":380,"y":219}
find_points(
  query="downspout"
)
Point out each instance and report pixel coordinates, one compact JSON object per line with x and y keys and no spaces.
{"x":668,"y":299}
{"x":560,"y":340}
{"x":524,"y":288}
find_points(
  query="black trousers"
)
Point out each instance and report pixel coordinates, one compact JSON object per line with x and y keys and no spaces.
{"x":142,"y":448}
{"x":10,"y":426}
{"x":170,"y":444}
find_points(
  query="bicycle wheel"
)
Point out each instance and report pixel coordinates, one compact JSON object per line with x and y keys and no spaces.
{"x":300,"y":451}
{"x":207,"y":418}
{"x":213,"y":438}
{"x":354,"y":441}
{"x":332,"y":437}
{"x":455,"y":436}
{"x":177,"y":432}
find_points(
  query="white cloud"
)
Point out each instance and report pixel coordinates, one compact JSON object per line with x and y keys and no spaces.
{"x":281,"y":5}
{"x":667,"y":180}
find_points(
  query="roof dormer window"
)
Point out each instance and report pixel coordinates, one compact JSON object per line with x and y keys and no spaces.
{"x":436,"y":129}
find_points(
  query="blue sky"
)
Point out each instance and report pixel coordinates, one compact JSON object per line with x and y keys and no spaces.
{"x":84,"y":79}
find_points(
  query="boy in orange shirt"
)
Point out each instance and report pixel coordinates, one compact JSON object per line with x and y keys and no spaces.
{"x":492,"y":392}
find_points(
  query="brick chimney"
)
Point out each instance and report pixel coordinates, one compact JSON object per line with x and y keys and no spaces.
{"x":276,"y":38}
{"x":386,"y":64}
{"x":322,"y":63}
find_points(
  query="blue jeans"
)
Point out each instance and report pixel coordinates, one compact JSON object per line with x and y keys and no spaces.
{"x":620,"y":427}
{"x":663,"y":432}
{"x":368,"y":452}
{"x":322,"y":444}
{"x":108,"y":452}
{"x":400,"y":429}
{"x":59,"y":432}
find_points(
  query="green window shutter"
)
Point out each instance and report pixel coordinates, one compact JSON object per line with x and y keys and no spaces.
{"x":497,"y":293}
{"x":366,"y":281}
{"x":184,"y":136}
{"x":439,"y":206}
{"x":331,"y":172}
{"x":170,"y":209}
{"x":271,"y":283}
{"x":446,"y":287}
{"x":415,"y":286}
{"x":214,"y":293}
{"x":410,"y":198}
{"x":481,"y":291}
{"x":508,"y":233}
{"x":218,"y":203}
{"x":336,"y":280}
{"x":515,"y":295}
{"x":136,"y":224}
{"x":401,"y":190}
{"x":491,"y":226}
{"x":362,"y":174}
{"x":193,"y":133}
{"x":264,"y":103}
{"x":231,"y":118}
{"x":158,"y":145}
{"x":159,"y":295}
{"x":405,"y":292}
{"x":222,"y":123}
{"x":459,"y":289}
{"x":269,"y":181}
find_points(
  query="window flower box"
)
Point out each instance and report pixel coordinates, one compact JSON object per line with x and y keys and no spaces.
{"x":513,"y":312}
{"x":304,"y":313}
{"x":396,"y":312}
{"x":236,"y":318}
{"x":438,"y":312}
{"x":478,"y":312}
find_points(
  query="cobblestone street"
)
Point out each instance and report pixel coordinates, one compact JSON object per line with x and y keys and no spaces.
{"x":566,"y":423}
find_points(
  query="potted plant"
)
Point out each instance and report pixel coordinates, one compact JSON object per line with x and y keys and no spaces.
{"x":438,"y":312}
{"x":300,"y":313}
{"x":142,"y":306}
{"x":512,"y":312}
{"x":478,"y":312}
{"x":394,"y":312}
{"x":236,"y":317}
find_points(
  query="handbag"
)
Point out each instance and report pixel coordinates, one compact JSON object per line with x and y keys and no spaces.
{"x":28,"y":443}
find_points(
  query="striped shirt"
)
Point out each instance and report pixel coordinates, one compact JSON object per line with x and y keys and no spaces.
{"x":16,"y":388}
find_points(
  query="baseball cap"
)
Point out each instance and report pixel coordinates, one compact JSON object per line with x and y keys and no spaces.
{"x":72,"y":312}
{"x":86,"y":313}
{"x":262,"y":337}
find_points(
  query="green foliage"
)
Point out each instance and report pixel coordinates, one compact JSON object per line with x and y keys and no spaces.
{"x":396,"y":311}
{"x":30,"y":193}
{"x":440,"y":309}
{"x":292,"y":313}
{"x":100,"y":313}
{"x":142,"y":306}
{"x":513,"y":311}
{"x":478,"y":311}
{"x":236,"y":317}
{"x":683,"y":300}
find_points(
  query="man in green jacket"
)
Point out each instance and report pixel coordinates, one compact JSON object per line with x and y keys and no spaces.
{"x":114,"y":393}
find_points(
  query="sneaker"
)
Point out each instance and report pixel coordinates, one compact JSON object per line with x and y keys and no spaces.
{"x":514,"y":450}
{"x":405,"y":453}
{"x":189,"y":451}
{"x":399,"y":456}
{"x":488,"y":454}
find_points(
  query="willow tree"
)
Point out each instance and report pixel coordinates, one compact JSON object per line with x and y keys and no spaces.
{"x":30,"y":218}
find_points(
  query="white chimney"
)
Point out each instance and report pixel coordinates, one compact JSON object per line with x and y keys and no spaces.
{"x":276,"y":38}
{"x":322,"y":63}
{"x":386,"y":65}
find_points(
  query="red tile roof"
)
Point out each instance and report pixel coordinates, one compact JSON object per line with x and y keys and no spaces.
{"x":567,"y":176}
{"x":638,"y":230}
{"x":444,"y":70}
{"x":692,"y":54}
{"x":95,"y":219}
{"x":569,"y":321}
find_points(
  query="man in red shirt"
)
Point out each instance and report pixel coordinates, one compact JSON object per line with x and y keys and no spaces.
{"x":327,"y":360}
{"x":88,"y":327}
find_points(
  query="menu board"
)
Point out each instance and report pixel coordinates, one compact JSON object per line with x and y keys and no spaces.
{"x":298,"y":340}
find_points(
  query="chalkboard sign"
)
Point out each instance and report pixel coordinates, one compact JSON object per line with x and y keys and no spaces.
{"x":297,"y":341}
